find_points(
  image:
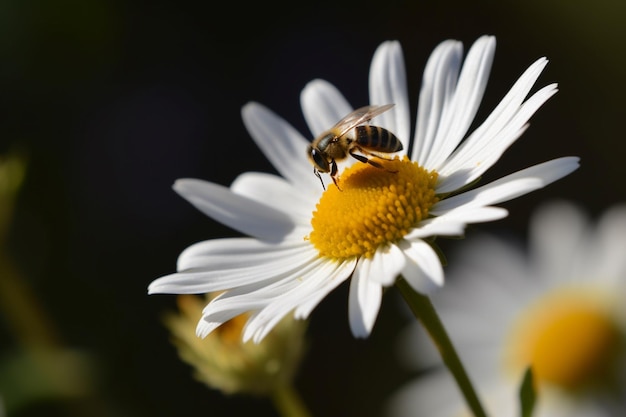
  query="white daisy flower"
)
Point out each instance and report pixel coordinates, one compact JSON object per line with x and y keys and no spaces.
{"x":304,"y":241}
{"x":560,"y":308}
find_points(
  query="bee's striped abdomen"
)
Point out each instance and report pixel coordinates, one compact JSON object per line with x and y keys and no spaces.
{"x":377,"y":139}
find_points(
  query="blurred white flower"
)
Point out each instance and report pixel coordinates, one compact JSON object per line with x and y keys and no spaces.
{"x":305,"y":242}
{"x":559,"y":307}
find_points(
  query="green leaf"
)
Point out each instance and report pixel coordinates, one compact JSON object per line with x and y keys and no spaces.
{"x":527,"y":394}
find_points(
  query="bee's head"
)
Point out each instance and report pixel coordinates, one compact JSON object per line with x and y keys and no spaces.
{"x":318,"y":159}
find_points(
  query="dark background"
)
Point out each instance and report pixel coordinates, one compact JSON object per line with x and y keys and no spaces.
{"x":111,"y":102}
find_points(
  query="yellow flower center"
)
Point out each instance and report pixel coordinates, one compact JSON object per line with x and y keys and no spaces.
{"x":374,"y":207}
{"x":569,"y":337}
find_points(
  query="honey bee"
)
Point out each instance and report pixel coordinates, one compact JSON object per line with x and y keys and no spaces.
{"x":350,"y":135}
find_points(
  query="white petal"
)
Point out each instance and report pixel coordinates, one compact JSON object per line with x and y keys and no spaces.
{"x":213,"y":317}
{"x":459,"y":114}
{"x":480,"y":152}
{"x":339,"y":275}
{"x":386,"y":264}
{"x":440,"y":78}
{"x":282,"y":145}
{"x":462,"y":173}
{"x":218,"y":271}
{"x":364,"y":300}
{"x":511,"y":186}
{"x":276,"y":192}
{"x":290,"y":294}
{"x":387,"y":85}
{"x":437,"y":226}
{"x":501,"y":116}
{"x":203,"y":282}
{"x":237,"y":212}
{"x":471,"y":214}
{"x":423,"y":270}
{"x":207,"y":325}
{"x":315,"y":283}
{"x":236,"y":253}
{"x":187,"y":283}
{"x":323,"y":106}
{"x":252,"y":298}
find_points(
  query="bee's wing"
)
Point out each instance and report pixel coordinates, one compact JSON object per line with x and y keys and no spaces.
{"x":360,"y":116}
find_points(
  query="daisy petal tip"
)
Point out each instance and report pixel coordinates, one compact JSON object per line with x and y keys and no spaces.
{"x":490,"y":39}
{"x":440,"y":281}
{"x":256,"y":336}
{"x":152,"y":289}
{"x":432,"y":286}
{"x":300,"y":314}
{"x":250,"y":106}
{"x":315,"y":83}
{"x":390,"y":45}
{"x":494,"y":213}
{"x":360,"y":332}
{"x":204,"y":328}
{"x":157,"y":287}
{"x":247,"y":109}
{"x":429,"y":286}
{"x":178,"y":184}
{"x":486,"y":41}
{"x":184,"y":186}
{"x":571,"y":163}
{"x":252,"y":112}
{"x":247,"y":335}
{"x":357,"y":326}
{"x":201,"y":331}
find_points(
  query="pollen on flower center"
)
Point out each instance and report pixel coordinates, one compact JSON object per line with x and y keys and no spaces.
{"x":373,"y":207}
{"x":568,"y":338}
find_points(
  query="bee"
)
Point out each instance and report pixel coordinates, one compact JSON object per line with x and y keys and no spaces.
{"x":350,"y":135}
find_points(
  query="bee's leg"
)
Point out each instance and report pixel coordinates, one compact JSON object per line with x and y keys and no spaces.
{"x":333,"y":173}
{"x":365,"y":159}
{"x":370,"y":161}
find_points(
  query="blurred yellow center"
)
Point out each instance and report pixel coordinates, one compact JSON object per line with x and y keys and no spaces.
{"x":374,"y":207}
{"x":568,"y":338}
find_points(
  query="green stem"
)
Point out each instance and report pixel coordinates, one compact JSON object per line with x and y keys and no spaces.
{"x":425,"y":312}
{"x":288,"y":402}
